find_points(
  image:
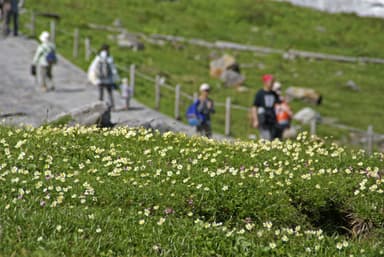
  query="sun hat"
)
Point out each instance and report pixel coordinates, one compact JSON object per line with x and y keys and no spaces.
{"x":44,"y":36}
{"x":276,"y":86}
{"x":267,"y":78}
{"x":205,"y":87}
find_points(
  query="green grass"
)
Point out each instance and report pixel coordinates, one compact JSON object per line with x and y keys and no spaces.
{"x":266,"y":23}
{"x":132,"y":192}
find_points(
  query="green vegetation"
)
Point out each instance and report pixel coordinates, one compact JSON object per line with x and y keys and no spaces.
{"x":128,"y":192}
{"x":265,"y":23}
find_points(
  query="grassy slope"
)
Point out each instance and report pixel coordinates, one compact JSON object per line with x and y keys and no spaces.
{"x":252,"y":22}
{"x":128,"y":192}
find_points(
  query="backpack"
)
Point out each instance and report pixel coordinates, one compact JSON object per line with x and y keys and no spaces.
{"x":193,"y":116}
{"x":104,"y":70}
{"x":51,"y":57}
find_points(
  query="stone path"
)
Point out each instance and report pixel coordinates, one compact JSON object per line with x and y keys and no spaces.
{"x":22,"y":101}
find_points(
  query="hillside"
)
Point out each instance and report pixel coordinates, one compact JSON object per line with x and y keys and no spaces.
{"x":265,"y":23}
{"x":128,"y":192}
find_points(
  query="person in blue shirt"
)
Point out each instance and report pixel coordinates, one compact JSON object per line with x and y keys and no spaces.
{"x":205,"y":108}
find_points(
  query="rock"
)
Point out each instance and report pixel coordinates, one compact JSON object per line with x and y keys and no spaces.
{"x":289,"y":56}
{"x":306,"y":94}
{"x":290,"y":132}
{"x":227,"y":70}
{"x":117,"y":23}
{"x":242,"y":89}
{"x":339,"y":73}
{"x":218,"y":66}
{"x":231,"y":78}
{"x":306,"y":115}
{"x":128,"y":40}
{"x":155,"y":123}
{"x":352,"y":85}
{"x":372,"y":8}
{"x":97,"y":113}
{"x":321,"y":29}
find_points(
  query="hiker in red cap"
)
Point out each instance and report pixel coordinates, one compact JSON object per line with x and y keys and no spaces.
{"x":263,"y":111}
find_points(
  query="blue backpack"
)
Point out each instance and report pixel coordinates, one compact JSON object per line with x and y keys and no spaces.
{"x":51,"y":57}
{"x":193,"y":116}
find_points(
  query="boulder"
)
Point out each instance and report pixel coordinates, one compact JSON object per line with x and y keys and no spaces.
{"x":117,"y":23}
{"x":218,"y":66}
{"x":227,"y":70}
{"x":97,"y":113}
{"x":128,"y":40}
{"x":154,"y":123}
{"x":232,"y":78}
{"x":306,"y":94}
{"x":352,"y":86}
{"x":306,"y":115}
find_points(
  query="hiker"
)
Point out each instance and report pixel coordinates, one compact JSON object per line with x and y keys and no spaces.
{"x":102,"y":73}
{"x":205,"y":108}
{"x":126,"y":92}
{"x":199,"y":112}
{"x":10,"y":12}
{"x":43,"y":61}
{"x":283,"y":112}
{"x":263,"y":112}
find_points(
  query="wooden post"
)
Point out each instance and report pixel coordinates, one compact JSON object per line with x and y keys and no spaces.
{"x":76,"y":43}
{"x":370,"y":140}
{"x":33,"y":24}
{"x":87,"y":49}
{"x":157,"y":93}
{"x":177,"y":102}
{"x":132,"y":79}
{"x":313,"y":126}
{"x":228,"y":117}
{"x":53,"y":31}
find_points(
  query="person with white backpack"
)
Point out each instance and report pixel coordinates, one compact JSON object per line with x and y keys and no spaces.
{"x":43,"y":61}
{"x":103,"y":74}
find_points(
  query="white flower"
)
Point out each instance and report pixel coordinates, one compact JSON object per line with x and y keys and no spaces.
{"x":249,"y":226}
{"x":161,"y":221}
{"x":267,"y":225}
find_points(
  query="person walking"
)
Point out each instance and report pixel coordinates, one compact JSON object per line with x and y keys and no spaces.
{"x":43,"y":61}
{"x":204,"y":107}
{"x":103,"y":74}
{"x":11,"y":12}
{"x":263,"y":110}
{"x":283,"y":112}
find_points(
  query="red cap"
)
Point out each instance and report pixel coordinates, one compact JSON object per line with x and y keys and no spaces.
{"x":267,"y":78}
